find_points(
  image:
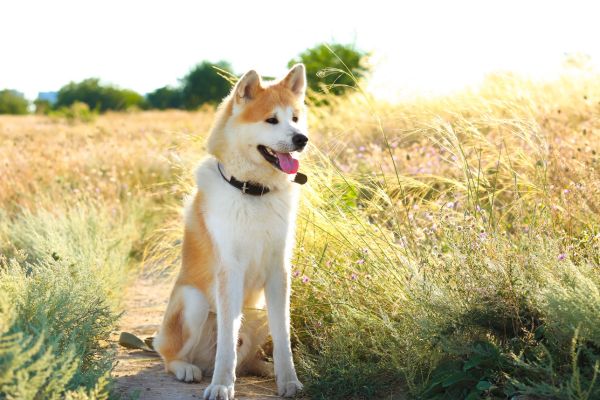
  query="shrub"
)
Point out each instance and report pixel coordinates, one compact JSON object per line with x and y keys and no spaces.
{"x":204,"y":84}
{"x":97,"y":96}
{"x":164,"y":98}
{"x":12,"y":102}
{"x":60,"y":278}
{"x":76,"y":112}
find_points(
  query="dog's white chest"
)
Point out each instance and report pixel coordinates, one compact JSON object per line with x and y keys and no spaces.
{"x":249,"y":232}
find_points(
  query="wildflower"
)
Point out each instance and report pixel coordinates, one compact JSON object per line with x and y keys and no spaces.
{"x":360,"y":261}
{"x":362,"y":148}
{"x":483,"y":236}
{"x":562,"y":256}
{"x":451,"y":204}
{"x":353,"y":277}
{"x":296,"y":274}
{"x":328,"y":263}
{"x":365,"y":250}
{"x":305,"y":279}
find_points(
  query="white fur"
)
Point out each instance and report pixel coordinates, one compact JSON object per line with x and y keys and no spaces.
{"x":254,"y":236}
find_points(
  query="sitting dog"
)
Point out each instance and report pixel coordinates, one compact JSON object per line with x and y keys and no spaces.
{"x":238,"y":240}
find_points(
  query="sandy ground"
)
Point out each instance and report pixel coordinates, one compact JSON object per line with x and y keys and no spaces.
{"x":139,"y":374}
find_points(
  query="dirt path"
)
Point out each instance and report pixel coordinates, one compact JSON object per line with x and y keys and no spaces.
{"x":141,"y":374}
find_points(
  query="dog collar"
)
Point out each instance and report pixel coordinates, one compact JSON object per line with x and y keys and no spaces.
{"x":254,"y":189}
{"x":246,"y":187}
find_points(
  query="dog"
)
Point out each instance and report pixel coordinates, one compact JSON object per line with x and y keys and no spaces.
{"x":234,"y":282}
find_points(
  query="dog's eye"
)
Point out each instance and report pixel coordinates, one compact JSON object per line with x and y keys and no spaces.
{"x":272,"y":120}
{"x":295,"y":119}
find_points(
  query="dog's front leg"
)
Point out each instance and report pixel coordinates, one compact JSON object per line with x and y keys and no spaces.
{"x":229,"y":299}
{"x":277,"y":295}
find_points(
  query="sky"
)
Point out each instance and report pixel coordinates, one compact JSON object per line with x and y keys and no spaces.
{"x":418,"y":47}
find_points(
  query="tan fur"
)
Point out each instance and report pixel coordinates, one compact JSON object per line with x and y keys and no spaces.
{"x":197,"y":253}
{"x":196,"y":271}
{"x":265,"y":101}
{"x":216,"y":144}
{"x":173,"y":329}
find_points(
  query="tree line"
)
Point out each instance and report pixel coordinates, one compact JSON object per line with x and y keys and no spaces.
{"x":331,"y":68}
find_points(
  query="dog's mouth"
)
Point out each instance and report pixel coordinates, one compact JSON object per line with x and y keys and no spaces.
{"x":282,"y":161}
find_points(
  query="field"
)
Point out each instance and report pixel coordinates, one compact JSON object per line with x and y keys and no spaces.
{"x":446,"y":248}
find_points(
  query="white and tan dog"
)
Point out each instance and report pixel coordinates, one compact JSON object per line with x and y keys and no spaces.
{"x":238,"y":240}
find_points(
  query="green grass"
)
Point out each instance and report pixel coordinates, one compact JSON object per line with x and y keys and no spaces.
{"x":61,"y":275}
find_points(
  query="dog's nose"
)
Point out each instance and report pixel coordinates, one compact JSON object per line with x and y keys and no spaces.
{"x":299,"y":140}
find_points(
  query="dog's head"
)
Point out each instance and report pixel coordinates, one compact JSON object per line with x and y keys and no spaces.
{"x":263,"y":123}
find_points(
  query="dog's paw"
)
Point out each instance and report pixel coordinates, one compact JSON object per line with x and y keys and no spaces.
{"x":185,"y":372}
{"x":218,"y":392}
{"x":289,"y":388}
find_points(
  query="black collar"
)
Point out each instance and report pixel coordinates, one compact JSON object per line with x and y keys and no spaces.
{"x":256,"y":189}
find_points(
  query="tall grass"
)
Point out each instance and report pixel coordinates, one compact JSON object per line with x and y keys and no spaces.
{"x":446,"y":248}
{"x":454,"y":252}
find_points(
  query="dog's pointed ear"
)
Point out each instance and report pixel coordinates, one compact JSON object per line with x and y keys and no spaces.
{"x":247,"y":87}
{"x":295,"y":80}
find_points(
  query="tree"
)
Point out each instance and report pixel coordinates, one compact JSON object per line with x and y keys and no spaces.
{"x":203,"y":84}
{"x":12,"y":102}
{"x":97,"y":96}
{"x":327,"y":67}
{"x":165,"y":97}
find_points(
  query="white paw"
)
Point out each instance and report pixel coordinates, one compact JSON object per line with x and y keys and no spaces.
{"x":185,"y":372}
{"x":218,"y":392}
{"x":289,"y":388}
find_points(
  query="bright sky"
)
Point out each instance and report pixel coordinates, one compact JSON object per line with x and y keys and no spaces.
{"x":418,"y":46}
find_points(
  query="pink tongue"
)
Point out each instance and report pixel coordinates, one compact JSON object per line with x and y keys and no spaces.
{"x":288,"y":164}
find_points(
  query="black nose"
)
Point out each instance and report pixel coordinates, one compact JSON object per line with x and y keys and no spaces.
{"x":299,"y":140}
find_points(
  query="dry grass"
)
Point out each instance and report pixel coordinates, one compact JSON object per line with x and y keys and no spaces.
{"x":448,"y":246}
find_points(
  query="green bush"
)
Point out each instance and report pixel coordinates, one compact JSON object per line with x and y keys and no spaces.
{"x":61,"y":274}
{"x":164,"y":98}
{"x":97,"y":96}
{"x":12,"y":102}
{"x":76,"y":112}
{"x":204,"y":84}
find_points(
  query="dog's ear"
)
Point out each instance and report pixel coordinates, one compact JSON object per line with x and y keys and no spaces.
{"x":295,"y":80}
{"x":247,"y":87}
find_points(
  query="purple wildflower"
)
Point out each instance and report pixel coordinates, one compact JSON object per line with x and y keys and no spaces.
{"x":305,"y":279}
{"x":562,"y":256}
{"x":353,"y":277}
{"x":360,"y":261}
